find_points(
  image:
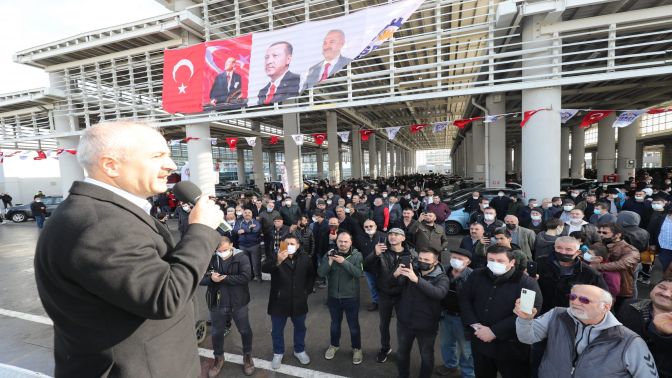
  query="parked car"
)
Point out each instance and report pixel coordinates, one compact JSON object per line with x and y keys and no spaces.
{"x":22,"y":213}
{"x":569,"y":183}
{"x":458,"y":221}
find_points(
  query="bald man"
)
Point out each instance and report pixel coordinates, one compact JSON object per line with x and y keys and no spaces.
{"x":333,"y":61}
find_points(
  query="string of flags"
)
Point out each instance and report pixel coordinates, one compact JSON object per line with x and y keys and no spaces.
{"x":36,"y":155}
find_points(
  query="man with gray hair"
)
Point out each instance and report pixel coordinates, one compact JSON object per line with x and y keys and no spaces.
{"x":599,"y":345}
{"x":110,"y":276}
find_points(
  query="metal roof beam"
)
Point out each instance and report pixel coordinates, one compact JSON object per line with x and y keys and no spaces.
{"x":647,"y":14}
{"x":529,"y":8}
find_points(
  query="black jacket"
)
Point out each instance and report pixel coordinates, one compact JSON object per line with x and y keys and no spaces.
{"x":420,"y":303}
{"x":489,"y":300}
{"x":367,"y":243}
{"x":291,"y":282}
{"x":233,"y":291}
{"x":306,"y":238}
{"x":383,"y":267}
{"x":634,"y":235}
{"x":655,"y":224}
{"x":555,"y":287}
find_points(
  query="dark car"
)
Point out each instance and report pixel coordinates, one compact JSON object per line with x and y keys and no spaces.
{"x":21,"y":213}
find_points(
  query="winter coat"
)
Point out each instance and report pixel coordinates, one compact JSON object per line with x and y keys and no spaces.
{"x":544,"y":244}
{"x":451,"y":302}
{"x":384,"y":265}
{"x":266,"y":220}
{"x":420,"y":303}
{"x":623,"y":258}
{"x":434,"y":237}
{"x":290,"y":215}
{"x":251,"y":232}
{"x":342,"y":279}
{"x":291,"y":282}
{"x":233,"y":292}
{"x":634,"y":235}
{"x":305,"y":236}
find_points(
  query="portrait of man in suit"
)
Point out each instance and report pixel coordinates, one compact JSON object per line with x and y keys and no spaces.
{"x":283,"y":83}
{"x":226,"y":89}
{"x":117,"y":287}
{"x":333,"y":60}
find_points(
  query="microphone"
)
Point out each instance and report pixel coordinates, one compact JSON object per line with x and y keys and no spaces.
{"x":188,"y":192}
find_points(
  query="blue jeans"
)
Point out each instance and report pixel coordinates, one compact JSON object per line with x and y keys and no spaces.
{"x":371,"y":282}
{"x":454,"y":347}
{"x":665,"y":257}
{"x":351,"y":308}
{"x":278,"y":333}
{"x":39,"y":219}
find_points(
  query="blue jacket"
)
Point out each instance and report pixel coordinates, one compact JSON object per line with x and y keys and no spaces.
{"x":251,"y":232}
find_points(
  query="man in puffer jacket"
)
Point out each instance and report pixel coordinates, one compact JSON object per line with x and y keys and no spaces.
{"x":634,"y":235}
{"x":598,"y":344}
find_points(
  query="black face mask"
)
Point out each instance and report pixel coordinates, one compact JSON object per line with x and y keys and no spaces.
{"x":607,"y":240}
{"x":423,"y":266}
{"x":511,"y":226}
{"x":564,"y":258}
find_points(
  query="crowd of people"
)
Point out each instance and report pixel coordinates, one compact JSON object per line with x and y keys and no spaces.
{"x":582,"y":255}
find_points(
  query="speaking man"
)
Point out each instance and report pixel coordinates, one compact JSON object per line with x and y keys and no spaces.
{"x":109,"y":275}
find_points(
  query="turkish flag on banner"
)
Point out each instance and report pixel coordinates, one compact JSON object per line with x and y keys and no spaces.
{"x":274,"y":139}
{"x":527,"y":115}
{"x":594,"y":116}
{"x":319,"y":138}
{"x":183,"y":79}
{"x":365,"y":134}
{"x":417,"y":127}
{"x":232,"y":142}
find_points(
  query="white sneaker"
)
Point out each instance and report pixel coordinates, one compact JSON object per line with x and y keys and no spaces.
{"x":277,"y":361}
{"x":331,"y":352}
{"x":302,"y":357}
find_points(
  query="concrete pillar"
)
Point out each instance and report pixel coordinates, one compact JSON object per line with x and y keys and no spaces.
{"x":639,"y":155}
{"x":627,"y":150}
{"x":666,"y":156}
{"x":319,"y":158}
{"x":332,"y":138}
{"x":258,"y":160}
{"x":356,"y":153}
{"x":240,"y":162}
{"x":478,"y":143}
{"x":414,"y":164}
{"x":509,"y":159}
{"x":541,"y":134}
{"x":383,"y":157}
{"x":578,"y":151}
{"x":401,"y":161}
{"x":199,"y":151}
{"x":606,"y":147}
{"x":469,"y":146}
{"x":272,"y":166}
{"x":496,"y":104}
{"x":70,"y":169}
{"x":290,"y":126}
{"x":393,"y":158}
{"x":593,"y":160}
{"x":340,"y":164}
{"x":564,"y":151}
{"x":373,"y":156}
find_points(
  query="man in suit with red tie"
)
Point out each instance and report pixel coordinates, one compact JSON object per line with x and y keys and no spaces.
{"x":333,"y":60}
{"x":284,"y":84}
{"x":227,"y":86}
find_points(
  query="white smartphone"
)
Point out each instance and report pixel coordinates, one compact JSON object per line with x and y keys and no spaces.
{"x":527,"y":300}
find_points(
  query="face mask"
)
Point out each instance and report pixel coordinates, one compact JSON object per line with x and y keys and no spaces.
{"x":575,"y":194}
{"x":583,"y":248}
{"x":457,"y":264}
{"x":185,"y":207}
{"x":568,"y":208}
{"x":607,"y":240}
{"x":408,"y":196}
{"x":422,"y":194}
{"x":475,"y":198}
{"x":347,"y":211}
{"x":424,"y":267}
{"x":536,"y":217}
{"x":576,"y":220}
{"x":279,"y":198}
{"x":511,"y":226}
{"x":269,"y":209}
{"x":639,"y":198}
{"x":291,"y":249}
{"x":372,"y":192}
{"x":500,"y":194}
{"x":231,"y":222}
{"x":384,"y":195}
{"x":315,"y":219}
{"x":224,"y":255}
{"x":587,"y":257}
{"x":657,"y":206}
{"x":288,"y":204}
{"x":564,"y":258}
{"x":239,"y":213}
{"x":370,"y":231}
{"x":489,"y":217}
{"x":597,"y":211}
{"x":497,"y":268}
{"x":535,"y":205}
{"x":329,"y":202}
{"x":349,"y":195}
{"x":486,"y":205}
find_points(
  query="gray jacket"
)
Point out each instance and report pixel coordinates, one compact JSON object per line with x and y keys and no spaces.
{"x":606,"y":349}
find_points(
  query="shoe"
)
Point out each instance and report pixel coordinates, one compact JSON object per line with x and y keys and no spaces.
{"x":382,"y":354}
{"x":372,"y":307}
{"x":216,"y":366}
{"x":248,"y":364}
{"x":444,"y":371}
{"x":357,"y":356}
{"x":227,"y":330}
{"x":277,"y":361}
{"x":645,"y":281}
{"x":331,"y":352}
{"x":322,"y":285}
{"x":302,"y":357}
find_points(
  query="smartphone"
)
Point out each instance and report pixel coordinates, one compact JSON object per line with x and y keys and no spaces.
{"x":527,"y":300}
{"x":382,"y":240}
{"x":531,"y":268}
{"x":405,"y":260}
{"x":283,"y":246}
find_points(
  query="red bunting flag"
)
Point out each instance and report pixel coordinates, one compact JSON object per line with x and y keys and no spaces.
{"x":183,"y":79}
{"x":657,"y":110}
{"x":40,"y":155}
{"x":319,"y":138}
{"x":417,"y":127}
{"x":462,"y":123}
{"x":594,"y":116}
{"x":187,"y":139}
{"x":527,"y":115}
{"x":274,"y":139}
{"x":365,"y":134}
{"x":232,"y":142}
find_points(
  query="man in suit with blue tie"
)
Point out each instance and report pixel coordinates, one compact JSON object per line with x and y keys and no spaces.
{"x":227,"y":86}
{"x":284,"y":84}
{"x":333,"y":60}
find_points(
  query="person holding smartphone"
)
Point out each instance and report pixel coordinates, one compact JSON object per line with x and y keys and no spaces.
{"x":372,"y":237}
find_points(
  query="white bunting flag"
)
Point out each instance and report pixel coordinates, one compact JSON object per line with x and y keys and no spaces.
{"x":213,"y":141}
{"x":567,"y":114}
{"x":252,"y":141}
{"x":492,"y":118}
{"x":392,"y":132}
{"x":627,"y":117}
{"x":174,"y":142}
{"x":298,"y":139}
{"x":344,"y":135}
{"x":440,"y":126}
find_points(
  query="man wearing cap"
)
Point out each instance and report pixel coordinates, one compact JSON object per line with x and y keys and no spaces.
{"x":382,"y":264}
{"x":455,"y":348}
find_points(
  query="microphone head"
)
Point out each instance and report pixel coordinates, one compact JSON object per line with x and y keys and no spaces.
{"x":187,"y":191}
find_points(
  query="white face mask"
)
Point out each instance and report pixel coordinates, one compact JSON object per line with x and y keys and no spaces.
{"x":639,"y":198}
{"x":225,"y":255}
{"x":288,"y":203}
{"x":497,"y":268}
{"x":568,"y":208}
{"x":535,"y":204}
{"x":347,"y":211}
{"x":291,"y":249}
{"x":536,"y":217}
{"x":500,"y":194}
{"x":384,"y":195}
{"x":370,"y":231}
{"x":269,"y":209}
{"x":474,"y":198}
{"x":239,"y":213}
{"x":489,"y":217}
{"x":186,"y":208}
{"x":576,"y":220}
{"x":315,"y":219}
{"x":329,"y":202}
{"x":486,"y":205}
{"x":657,"y":206}
{"x":587,"y":256}
{"x":231,"y":222}
{"x":457,"y":264}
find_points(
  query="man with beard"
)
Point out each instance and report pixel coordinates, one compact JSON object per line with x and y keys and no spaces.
{"x":598,"y":344}
{"x":430,"y":235}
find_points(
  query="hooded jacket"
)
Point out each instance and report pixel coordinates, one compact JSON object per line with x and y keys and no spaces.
{"x":544,"y":244}
{"x":634,"y":235}
{"x":606,"y":349}
{"x":233,"y":292}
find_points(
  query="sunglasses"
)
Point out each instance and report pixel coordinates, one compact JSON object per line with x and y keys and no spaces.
{"x":582,"y":299}
{"x":602,"y":232}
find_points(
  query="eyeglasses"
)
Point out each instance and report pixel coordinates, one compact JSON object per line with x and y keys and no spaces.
{"x":582,"y":299}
